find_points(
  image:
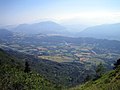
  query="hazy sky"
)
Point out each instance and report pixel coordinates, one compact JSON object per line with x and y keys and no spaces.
{"x":75,"y":11}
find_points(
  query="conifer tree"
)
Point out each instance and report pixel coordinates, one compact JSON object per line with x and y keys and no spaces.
{"x":27,"y":67}
{"x":117,"y":64}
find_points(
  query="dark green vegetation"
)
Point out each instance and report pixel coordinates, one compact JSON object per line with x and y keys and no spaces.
{"x":108,"y":81}
{"x":59,"y":74}
{"x":54,"y":62}
{"x":62,"y":74}
{"x":117,"y":64}
{"x":13,"y":77}
{"x":47,"y":75}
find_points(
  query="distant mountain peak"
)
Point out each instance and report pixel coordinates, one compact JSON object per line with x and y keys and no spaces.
{"x":105,"y":31}
{"x":46,"y":27}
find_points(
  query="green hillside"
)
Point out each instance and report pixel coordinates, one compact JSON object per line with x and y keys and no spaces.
{"x":13,"y":77}
{"x":67,"y":74}
{"x":109,"y":81}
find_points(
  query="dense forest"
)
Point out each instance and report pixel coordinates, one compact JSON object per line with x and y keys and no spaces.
{"x":108,"y":81}
{"x":18,"y":74}
{"x":13,"y":76}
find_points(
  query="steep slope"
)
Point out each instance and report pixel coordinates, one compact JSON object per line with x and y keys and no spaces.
{"x":109,"y":81}
{"x":62,"y":74}
{"x":106,"y":31}
{"x":13,"y":77}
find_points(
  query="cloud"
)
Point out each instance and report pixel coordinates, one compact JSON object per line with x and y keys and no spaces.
{"x":92,"y":17}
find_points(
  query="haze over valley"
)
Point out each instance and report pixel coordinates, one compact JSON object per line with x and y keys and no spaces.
{"x":59,"y":45}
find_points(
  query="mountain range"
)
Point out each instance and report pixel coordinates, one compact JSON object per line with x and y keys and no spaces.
{"x":47,"y":27}
{"x":50,"y":75}
{"x":106,"y":31}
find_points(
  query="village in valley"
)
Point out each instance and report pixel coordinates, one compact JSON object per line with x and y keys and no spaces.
{"x":60,"y":52}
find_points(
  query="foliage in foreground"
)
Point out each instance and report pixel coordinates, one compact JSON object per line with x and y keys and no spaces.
{"x":109,"y":81}
{"x":13,"y":77}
